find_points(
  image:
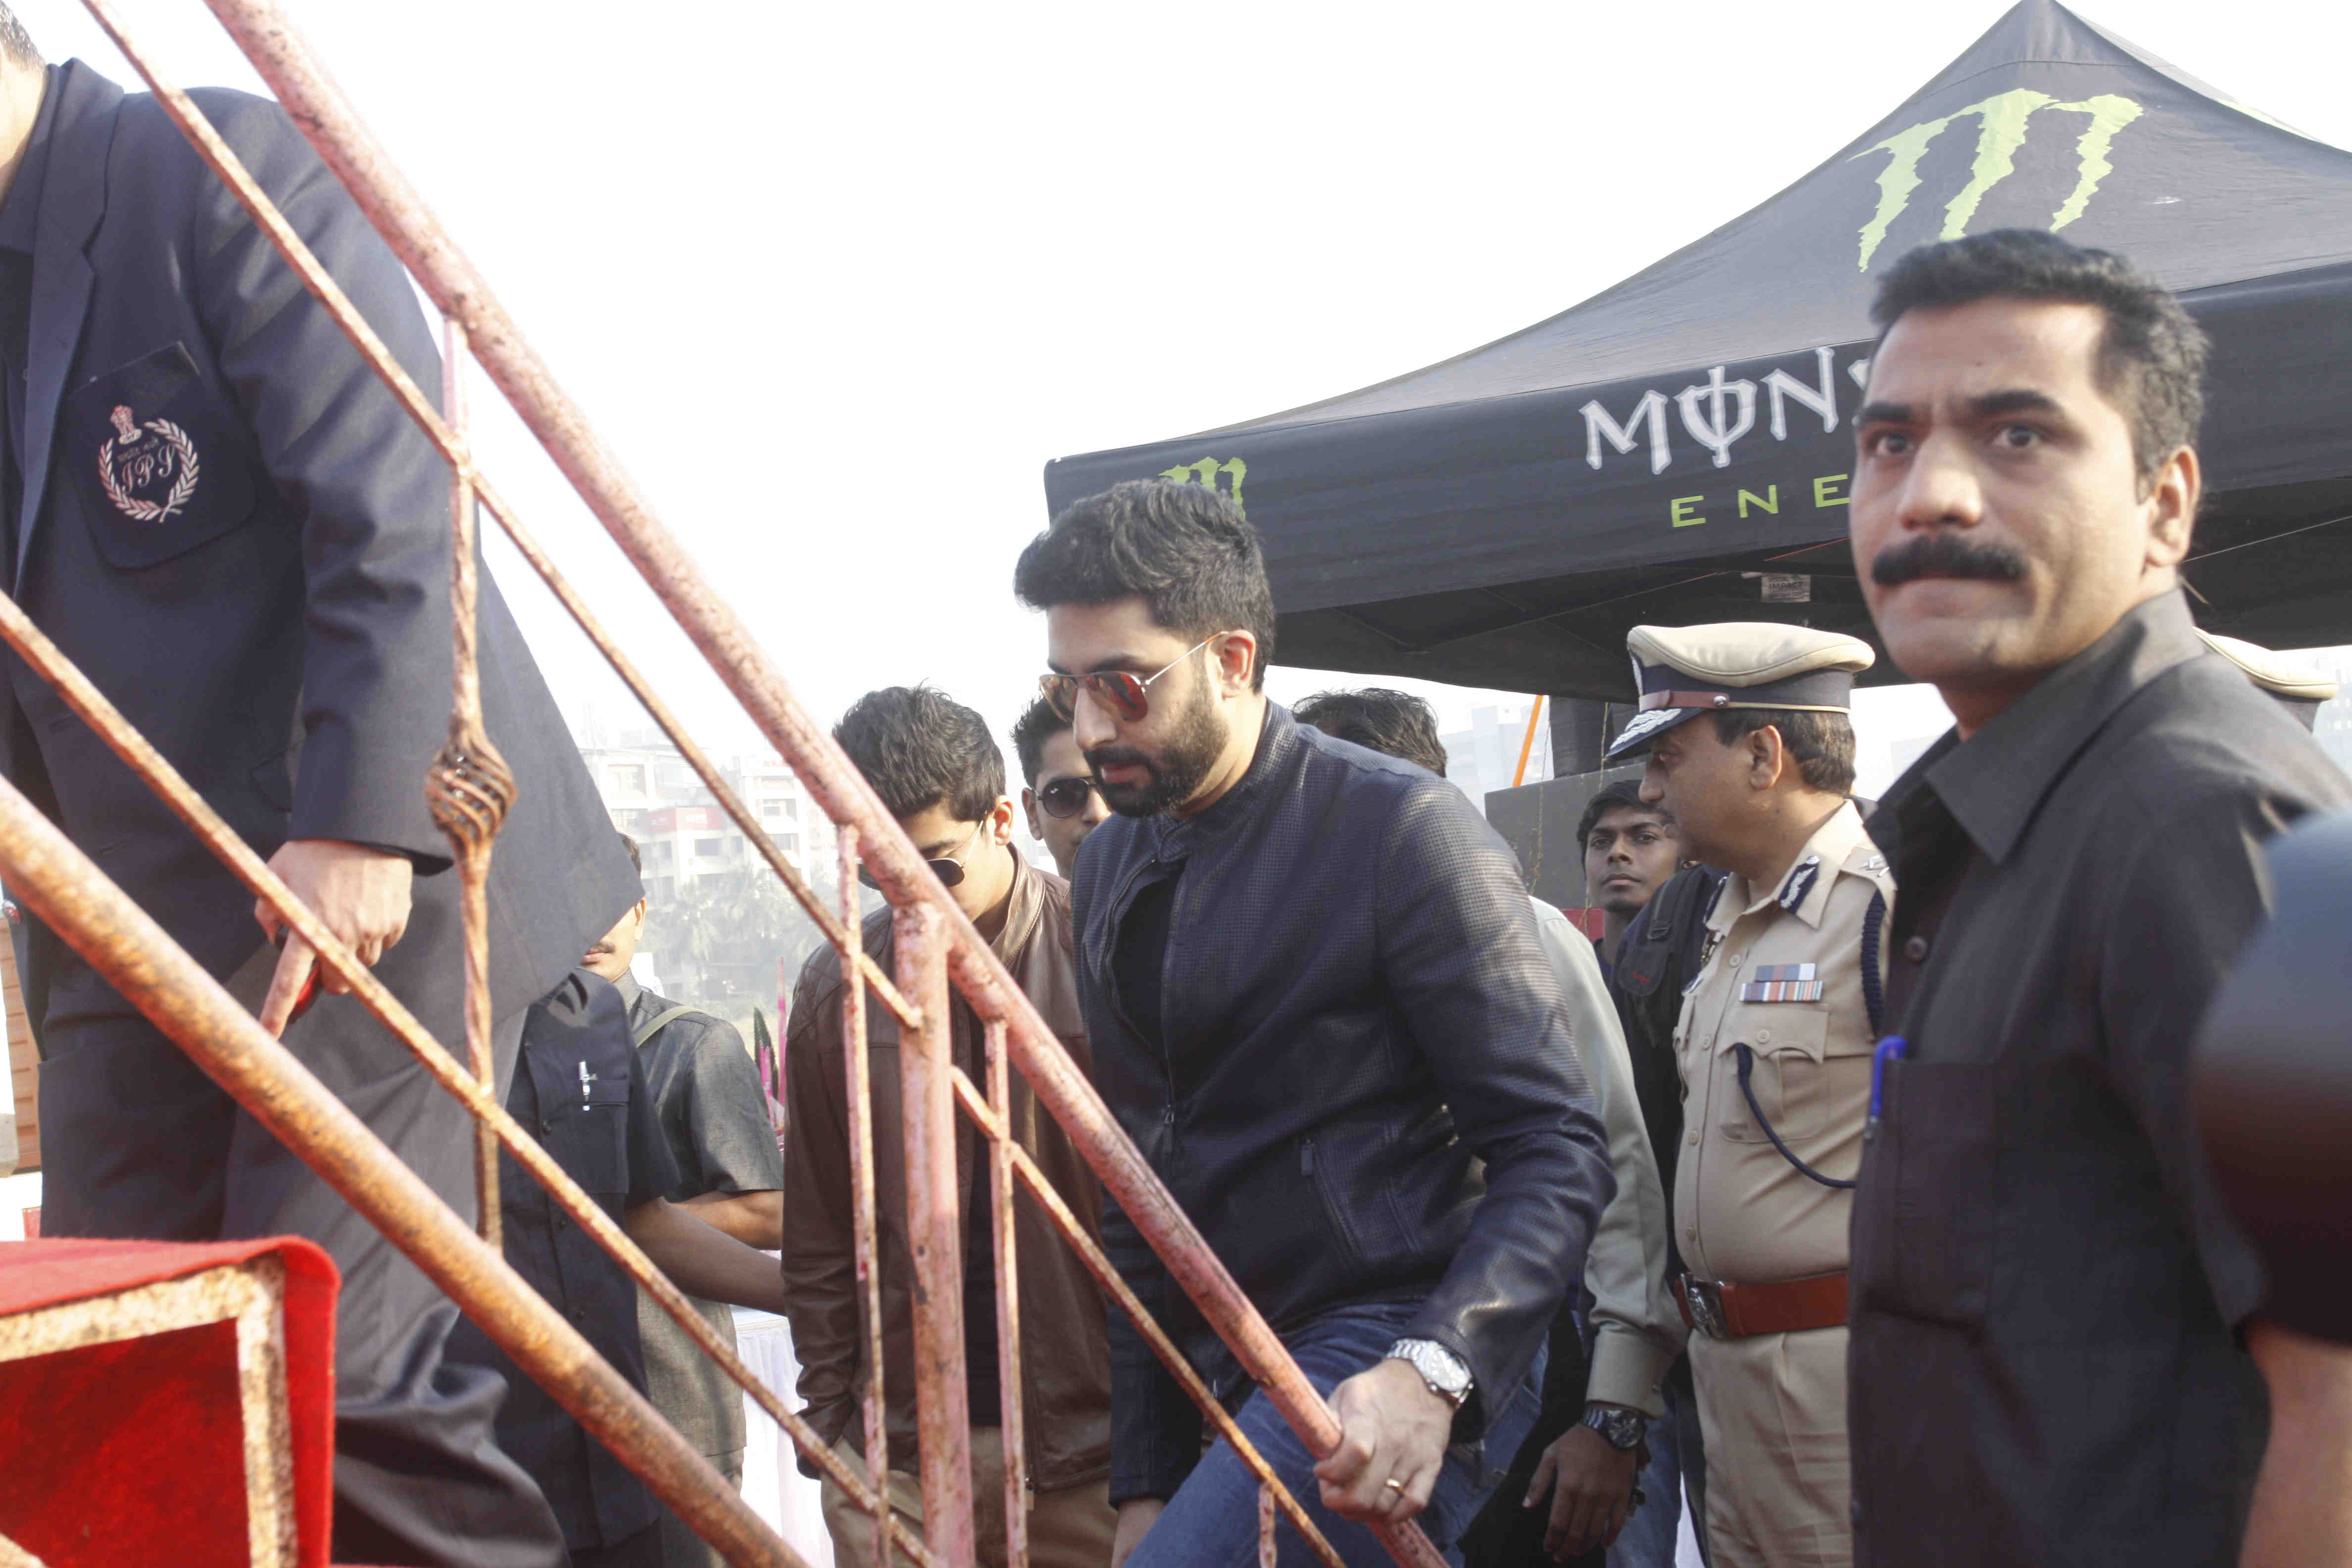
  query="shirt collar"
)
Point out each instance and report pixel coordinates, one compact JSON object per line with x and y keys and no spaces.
{"x":1024,"y":904}
{"x":629,"y":989}
{"x":1174,"y":839}
{"x":1804,"y":888}
{"x":20,"y":214}
{"x":1994,"y":782}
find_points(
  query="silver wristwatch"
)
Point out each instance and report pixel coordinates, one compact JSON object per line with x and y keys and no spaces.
{"x":1440,"y":1368}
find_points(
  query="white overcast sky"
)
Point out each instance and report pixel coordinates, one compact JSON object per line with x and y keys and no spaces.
{"x":837,"y":281}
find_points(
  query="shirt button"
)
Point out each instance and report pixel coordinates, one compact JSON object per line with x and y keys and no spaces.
{"x":1690,"y":1232}
{"x":1763,"y":1037}
{"x":1735,"y":960}
{"x":1694,"y":1138}
{"x":1915,"y":950}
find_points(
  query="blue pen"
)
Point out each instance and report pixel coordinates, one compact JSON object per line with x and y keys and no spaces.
{"x":1892,"y":1048}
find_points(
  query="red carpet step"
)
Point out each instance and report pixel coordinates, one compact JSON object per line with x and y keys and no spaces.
{"x":165,"y":1404}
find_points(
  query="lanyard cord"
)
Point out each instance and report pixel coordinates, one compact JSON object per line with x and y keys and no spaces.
{"x":1748,"y":1061}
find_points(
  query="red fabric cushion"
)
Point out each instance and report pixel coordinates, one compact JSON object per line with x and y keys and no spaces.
{"x":133,"y":1447}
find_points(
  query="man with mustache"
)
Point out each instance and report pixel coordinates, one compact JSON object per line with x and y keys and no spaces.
{"x":1750,"y":747}
{"x":1318,"y":1006}
{"x":2058,"y":1340}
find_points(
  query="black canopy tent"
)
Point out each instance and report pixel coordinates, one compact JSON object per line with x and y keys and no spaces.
{"x":1676,"y":449}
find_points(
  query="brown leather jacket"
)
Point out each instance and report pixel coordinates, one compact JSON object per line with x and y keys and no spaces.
{"x":1065,"y":1359}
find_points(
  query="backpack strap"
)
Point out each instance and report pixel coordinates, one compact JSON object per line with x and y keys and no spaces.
{"x":659,"y":1022}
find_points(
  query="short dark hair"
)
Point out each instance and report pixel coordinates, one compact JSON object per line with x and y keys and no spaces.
{"x":2151,"y":357}
{"x":1379,"y":718}
{"x":1625,"y":794}
{"x":921,"y":748}
{"x":1185,"y":547}
{"x":1039,"y":723}
{"x":1821,"y":744}
{"x":15,"y":42}
{"x":636,"y":861}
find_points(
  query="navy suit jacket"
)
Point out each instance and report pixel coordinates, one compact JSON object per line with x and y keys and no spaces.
{"x":233,"y":528}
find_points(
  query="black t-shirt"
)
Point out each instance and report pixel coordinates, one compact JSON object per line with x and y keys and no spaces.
{"x":1142,"y":958}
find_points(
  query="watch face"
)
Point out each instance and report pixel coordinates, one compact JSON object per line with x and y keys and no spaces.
{"x":1622,"y":1428}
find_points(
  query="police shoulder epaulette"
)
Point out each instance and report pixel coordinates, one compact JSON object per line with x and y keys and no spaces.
{"x":1801,"y":882}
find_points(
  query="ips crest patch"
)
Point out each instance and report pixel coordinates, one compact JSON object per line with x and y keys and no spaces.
{"x":160,"y":461}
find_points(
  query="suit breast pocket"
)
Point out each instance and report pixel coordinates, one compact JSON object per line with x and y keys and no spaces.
{"x":159,"y":461}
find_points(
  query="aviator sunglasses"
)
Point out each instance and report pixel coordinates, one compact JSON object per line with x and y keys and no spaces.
{"x":949,"y":870}
{"x":1128,"y":697}
{"x":1066,"y":797}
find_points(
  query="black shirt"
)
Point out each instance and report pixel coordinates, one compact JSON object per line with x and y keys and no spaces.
{"x":574,"y":1087}
{"x":2043,"y":1362}
{"x":1140,"y":965}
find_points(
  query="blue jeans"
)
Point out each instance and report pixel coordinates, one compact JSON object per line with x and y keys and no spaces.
{"x":1648,"y":1539}
{"x":1212,"y":1517}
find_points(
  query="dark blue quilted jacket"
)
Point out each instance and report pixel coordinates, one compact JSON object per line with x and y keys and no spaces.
{"x":1369,"y":1092}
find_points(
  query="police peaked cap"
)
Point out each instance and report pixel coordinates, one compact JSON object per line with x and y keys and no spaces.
{"x":1684,"y":671}
{"x":2299,"y":687}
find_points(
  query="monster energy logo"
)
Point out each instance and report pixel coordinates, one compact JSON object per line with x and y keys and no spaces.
{"x":1205,"y":473}
{"x":2002,"y":122}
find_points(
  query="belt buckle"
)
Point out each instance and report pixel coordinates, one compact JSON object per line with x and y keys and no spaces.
{"x":1704,"y":1300}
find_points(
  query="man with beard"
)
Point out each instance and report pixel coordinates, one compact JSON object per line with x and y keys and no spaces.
{"x":1319,"y":1008}
{"x":937,"y":769}
{"x":2059,"y":1345}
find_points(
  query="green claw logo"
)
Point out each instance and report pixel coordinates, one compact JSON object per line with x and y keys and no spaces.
{"x":1205,"y":473}
{"x":2001,"y":126}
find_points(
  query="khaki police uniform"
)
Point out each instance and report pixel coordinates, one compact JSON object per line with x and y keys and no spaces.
{"x":1763,"y":1240}
{"x":2291,"y":683}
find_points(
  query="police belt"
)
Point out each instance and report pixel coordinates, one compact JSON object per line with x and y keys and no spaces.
{"x":1723,"y":1311}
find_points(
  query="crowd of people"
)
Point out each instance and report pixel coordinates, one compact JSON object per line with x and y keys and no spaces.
{"x":1845,"y":1188}
{"x":1845,"y":1185}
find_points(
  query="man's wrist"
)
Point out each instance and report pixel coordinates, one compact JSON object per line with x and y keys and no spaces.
{"x":1444,"y":1374}
{"x":1622,"y":1428}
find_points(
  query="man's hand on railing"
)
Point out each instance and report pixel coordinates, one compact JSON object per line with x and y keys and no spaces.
{"x":1136,"y":1515}
{"x":360,"y":891}
{"x":1393,"y":1427}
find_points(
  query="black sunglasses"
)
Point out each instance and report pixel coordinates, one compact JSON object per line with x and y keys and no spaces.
{"x":948,"y":870}
{"x":1066,"y":797}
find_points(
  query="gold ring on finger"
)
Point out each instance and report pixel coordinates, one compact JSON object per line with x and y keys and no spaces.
{"x":1393,"y":1484}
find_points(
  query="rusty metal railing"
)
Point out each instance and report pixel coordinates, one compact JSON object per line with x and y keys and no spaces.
{"x":470,"y":791}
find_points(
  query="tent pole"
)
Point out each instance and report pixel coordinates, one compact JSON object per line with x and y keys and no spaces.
{"x":1527,"y":746}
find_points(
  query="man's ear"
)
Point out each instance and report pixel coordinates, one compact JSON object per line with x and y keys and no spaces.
{"x":1000,"y":819}
{"x":1766,"y":757}
{"x":1029,"y":809}
{"x":1237,"y":656}
{"x":2172,"y":508}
